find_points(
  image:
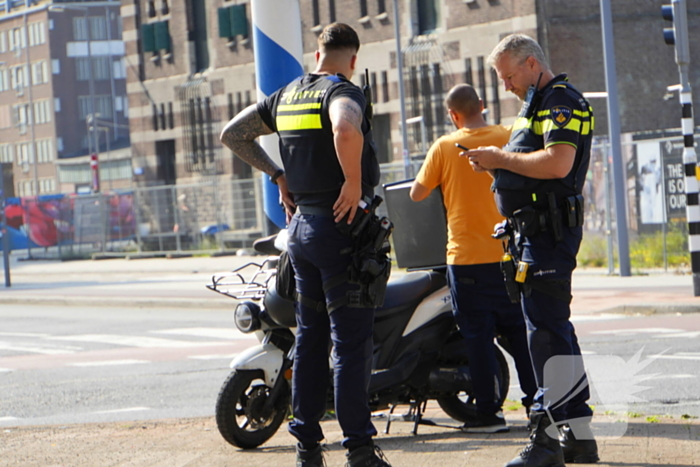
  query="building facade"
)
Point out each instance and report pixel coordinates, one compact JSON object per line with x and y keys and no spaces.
{"x":192,"y":63}
{"x":62,"y":95}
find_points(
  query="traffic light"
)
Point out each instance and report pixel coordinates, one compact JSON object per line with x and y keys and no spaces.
{"x":678,"y":34}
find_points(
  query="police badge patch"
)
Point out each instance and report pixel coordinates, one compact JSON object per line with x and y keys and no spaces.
{"x":561,"y":115}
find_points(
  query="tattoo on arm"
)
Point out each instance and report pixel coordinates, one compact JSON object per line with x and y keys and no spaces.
{"x":239,"y":136}
{"x":348,"y":110}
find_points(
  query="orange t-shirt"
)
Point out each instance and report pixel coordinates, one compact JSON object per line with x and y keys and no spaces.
{"x":471,"y":209}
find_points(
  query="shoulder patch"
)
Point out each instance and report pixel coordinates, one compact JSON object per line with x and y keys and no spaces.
{"x":561,"y":115}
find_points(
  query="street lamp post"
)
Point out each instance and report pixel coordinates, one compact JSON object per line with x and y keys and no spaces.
{"x":93,"y":141}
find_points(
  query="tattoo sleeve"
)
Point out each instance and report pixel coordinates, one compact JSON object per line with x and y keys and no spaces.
{"x":347,"y":109}
{"x":239,"y":136}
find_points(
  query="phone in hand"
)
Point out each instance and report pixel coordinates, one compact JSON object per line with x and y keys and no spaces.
{"x":461,"y":147}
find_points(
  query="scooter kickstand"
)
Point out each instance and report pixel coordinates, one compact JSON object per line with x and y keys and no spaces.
{"x":388,"y":419}
{"x":418,"y":417}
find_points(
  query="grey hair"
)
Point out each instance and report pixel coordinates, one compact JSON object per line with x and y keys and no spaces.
{"x":519,"y":46}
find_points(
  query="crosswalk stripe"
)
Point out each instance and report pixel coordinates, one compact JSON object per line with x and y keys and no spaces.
{"x":32,"y":349}
{"x":130,"y":409}
{"x":218,"y":333}
{"x":213,"y":357}
{"x":133,"y":341}
{"x":109,"y":363}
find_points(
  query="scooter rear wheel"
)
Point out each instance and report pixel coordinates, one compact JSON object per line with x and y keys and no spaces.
{"x":239,"y":415}
{"x":461,"y":406}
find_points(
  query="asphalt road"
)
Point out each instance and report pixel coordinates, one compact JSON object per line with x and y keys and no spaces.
{"x":64,"y":365}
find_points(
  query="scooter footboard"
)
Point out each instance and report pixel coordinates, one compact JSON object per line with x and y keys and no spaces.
{"x":265,"y":357}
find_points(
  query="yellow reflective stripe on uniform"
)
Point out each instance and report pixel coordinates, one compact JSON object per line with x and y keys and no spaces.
{"x":545,"y":126}
{"x":519,"y":123}
{"x":293,"y":107}
{"x":298,"y":122}
{"x":582,"y":113}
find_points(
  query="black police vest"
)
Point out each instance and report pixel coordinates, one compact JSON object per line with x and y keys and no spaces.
{"x":514,"y":191}
{"x":306,"y":138}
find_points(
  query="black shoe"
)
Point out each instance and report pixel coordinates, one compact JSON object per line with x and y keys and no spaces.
{"x":486,"y":423}
{"x":367,"y":456}
{"x":578,"y":451}
{"x":542,"y":450}
{"x":310,"y":457}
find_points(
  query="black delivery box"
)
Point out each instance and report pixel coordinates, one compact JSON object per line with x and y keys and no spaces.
{"x":420,"y":229}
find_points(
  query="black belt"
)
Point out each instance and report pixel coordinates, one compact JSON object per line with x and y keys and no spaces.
{"x":315,"y":211}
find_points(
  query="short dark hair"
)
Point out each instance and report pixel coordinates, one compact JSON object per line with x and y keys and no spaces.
{"x":337,"y":36}
{"x":464,"y":100}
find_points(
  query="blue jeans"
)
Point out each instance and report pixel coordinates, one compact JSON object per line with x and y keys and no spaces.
{"x":481,"y":308}
{"x":550,"y":332}
{"x":315,"y":247}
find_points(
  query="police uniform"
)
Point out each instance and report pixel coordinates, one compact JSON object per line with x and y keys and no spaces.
{"x":547,"y":217}
{"x":320,"y":255}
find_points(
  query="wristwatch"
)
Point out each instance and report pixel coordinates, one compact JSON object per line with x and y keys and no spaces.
{"x":276,"y":175}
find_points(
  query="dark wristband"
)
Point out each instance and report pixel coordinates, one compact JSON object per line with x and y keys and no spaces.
{"x":276,"y":175}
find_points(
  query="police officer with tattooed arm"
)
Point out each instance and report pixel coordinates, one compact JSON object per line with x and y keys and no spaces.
{"x":538,"y":180}
{"x":329,"y":168}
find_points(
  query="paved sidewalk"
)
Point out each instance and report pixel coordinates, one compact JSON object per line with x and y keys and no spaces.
{"x":181,"y":282}
{"x":197,"y":442}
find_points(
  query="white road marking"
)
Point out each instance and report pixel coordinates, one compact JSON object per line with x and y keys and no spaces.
{"x":218,"y":333}
{"x":134,"y":341}
{"x":213,"y":357}
{"x":130,"y":409}
{"x":671,"y":377}
{"x":33,"y":349}
{"x":25,"y":334}
{"x":8,"y":419}
{"x":6,"y":370}
{"x":109,"y":363}
{"x":587,"y":352}
{"x":595,"y":317}
{"x":685,"y":335}
{"x":677,"y":357}
{"x":627,"y":332}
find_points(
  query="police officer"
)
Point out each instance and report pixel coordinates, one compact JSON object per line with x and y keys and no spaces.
{"x":480,"y":302}
{"x":329,"y":164}
{"x":538,"y":180}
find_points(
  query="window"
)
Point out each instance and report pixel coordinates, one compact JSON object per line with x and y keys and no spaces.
{"x":44,"y":150}
{"x":316,"y":13}
{"x":468,"y":78}
{"x":155,"y":36}
{"x":363,"y":8}
{"x":7,"y":155}
{"x":47,"y":185}
{"x":56,"y":66}
{"x":331,"y":10}
{"x":4,"y":80}
{"x":428,"y":16}
{"x":165,"y":8}
{"x":381,"y":7}
{"x":17,"y":40}
{"x":80,"y":30}
{"x":103,"y":104}
{"x":385,"y":86}
{"x":481,"y":72}
{"x":233,"y":21}
{"x":57,"y":104}
{"x":118,"y":69}
{"x":24,"y":153}
{"x":37,"y":33}
{"x":151,"y":9}
{"x":494,"y":98}
{"x":40,"y":73}
{"x":17,"y":76}
{"x":42,"y":111}
{"x":100,"y":68}
{"x":98,"y":28}
{"x":3,"y":42}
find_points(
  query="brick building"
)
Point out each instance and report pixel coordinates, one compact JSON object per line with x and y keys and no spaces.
{"x":192,"y":63}
{"x":46,"y":79}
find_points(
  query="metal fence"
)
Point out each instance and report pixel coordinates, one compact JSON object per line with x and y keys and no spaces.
{"x":220,"y":216}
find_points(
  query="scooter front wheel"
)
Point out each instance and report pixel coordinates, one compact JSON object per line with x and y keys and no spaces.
{"x":240,"y":414}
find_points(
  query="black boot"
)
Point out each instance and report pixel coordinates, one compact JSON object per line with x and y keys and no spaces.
{"x":543,"y":450}
{"x":578,"y":451}
{"x":367,"y":456}
{"x":310,"y":457}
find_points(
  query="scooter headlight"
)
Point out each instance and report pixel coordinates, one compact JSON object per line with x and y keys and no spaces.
{"x":247,"y":317}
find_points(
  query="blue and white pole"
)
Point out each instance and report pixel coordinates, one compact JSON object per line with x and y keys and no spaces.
{"x":278,"y":60}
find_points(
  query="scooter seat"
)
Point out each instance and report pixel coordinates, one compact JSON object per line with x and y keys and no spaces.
{"x":412,"y":286}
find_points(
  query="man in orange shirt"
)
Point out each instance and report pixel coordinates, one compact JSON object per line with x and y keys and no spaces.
{"x":480,"y":301}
